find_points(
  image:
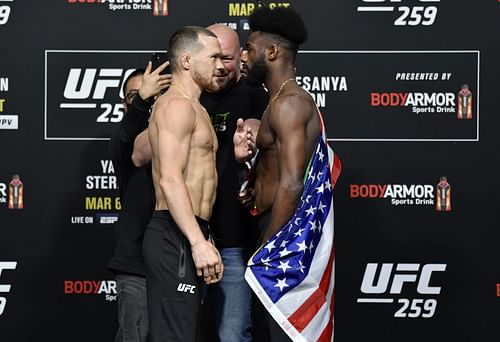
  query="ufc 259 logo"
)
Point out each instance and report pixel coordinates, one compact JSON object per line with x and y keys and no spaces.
{"x":424,"y":15}
{"x":89,"y":88}
{"x":384,"y":284}
{"x":5,"y":288}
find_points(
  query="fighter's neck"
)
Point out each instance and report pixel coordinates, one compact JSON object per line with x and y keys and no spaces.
{"x":185,"y":85}
{"x":276,"y":78}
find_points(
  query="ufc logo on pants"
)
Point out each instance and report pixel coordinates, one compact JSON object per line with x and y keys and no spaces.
{"x":186,"y":288}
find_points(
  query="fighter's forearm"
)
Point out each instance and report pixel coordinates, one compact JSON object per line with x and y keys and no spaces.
{"x":179,"y":205}
{"x":285,"y":202}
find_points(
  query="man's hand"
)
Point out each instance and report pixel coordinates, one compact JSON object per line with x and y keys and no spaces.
{"x":208,"y":261}
{"x":153,"y":83}
{"x":244,"y":141}
{"x":247,"y":197}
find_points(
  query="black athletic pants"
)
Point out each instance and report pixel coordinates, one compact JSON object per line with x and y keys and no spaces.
{"x":175,"y":292}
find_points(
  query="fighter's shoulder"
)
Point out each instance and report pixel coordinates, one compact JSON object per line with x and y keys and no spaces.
{"x":299,"y":103}
{"x":172,"y":105}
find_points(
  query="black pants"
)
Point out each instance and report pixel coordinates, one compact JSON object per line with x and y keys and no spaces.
{"x":174,"y":290}
{"x":266,"y":328}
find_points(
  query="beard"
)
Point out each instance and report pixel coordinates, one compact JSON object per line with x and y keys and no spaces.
{"x":205,"y":82}
{"x":257,"y":74}
{"x":223,"y":84}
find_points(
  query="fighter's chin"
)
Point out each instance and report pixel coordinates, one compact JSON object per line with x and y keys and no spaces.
{"x":219,"y":83}
{"x":214,"y":86}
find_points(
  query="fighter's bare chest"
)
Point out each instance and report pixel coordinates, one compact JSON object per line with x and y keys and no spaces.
{"x":265,"y":138}
{"x":204,"y":135}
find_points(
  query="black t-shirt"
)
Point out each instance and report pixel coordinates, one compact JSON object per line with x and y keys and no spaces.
{"x":233,"y":226}
{"x":136,"y":191}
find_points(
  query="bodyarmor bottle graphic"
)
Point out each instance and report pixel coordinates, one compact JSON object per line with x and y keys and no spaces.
{"x":160,"y":7}
{"x":464,"y":103}
{"x":16,"y":193}
{"x":443,"y":195}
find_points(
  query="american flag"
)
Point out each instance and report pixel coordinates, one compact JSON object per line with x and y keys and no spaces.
{"x":293,"y":272}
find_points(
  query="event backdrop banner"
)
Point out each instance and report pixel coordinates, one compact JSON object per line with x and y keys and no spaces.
{"x":410,"y":94}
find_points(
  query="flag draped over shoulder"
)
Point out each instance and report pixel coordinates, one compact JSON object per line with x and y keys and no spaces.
{"x":293,"y":272}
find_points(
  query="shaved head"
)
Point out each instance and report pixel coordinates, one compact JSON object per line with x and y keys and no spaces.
{"x":228,"y":38}
{"x":231,"y":53}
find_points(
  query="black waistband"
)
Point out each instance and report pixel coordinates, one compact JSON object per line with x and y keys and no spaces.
{"x":165,"y":215}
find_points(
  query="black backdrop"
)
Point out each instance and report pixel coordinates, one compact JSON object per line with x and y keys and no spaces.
{"x":54,"y":123}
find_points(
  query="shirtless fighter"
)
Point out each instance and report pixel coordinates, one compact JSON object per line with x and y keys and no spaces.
{"x":288,"y":132}
{"x":177,"y":247}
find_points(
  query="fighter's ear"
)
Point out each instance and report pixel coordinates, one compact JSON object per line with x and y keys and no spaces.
{"x":186,"y":61}
{"x":272,"y":52}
